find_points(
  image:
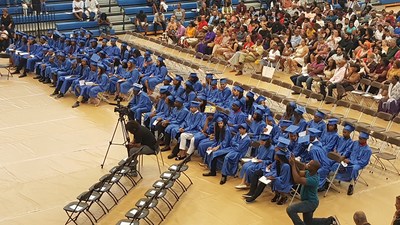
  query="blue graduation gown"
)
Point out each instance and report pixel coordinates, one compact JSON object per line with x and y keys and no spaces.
{"x":263,"y":153}
{"x":318,"y":153}
{"x":212,"y":94}
{"x":139,"y":104}
{"x":237,"y":150}
{"x":198,"y":136}
{"x":223,"y":96}
{"x":283,"y":183}
{"x":177,"y":91}
{"x":343,"y":145}
{"x":235,"y":119}
{"x":256,"y":128}
{"x":223,"y":142}
{"x":191,"y":124}
{"x":188,"y":97}
{"x":131,"y":78}
{"x":102,"y":82}
{"x":321,"y":125}
{"x":159,"y":76}
{"x":113,"y":51}
{"x":302,"y":124}
{"x":161,"y":109}
{"x":329,"y":140}
{"x":359,"y":157}
{"x":178,"y":116}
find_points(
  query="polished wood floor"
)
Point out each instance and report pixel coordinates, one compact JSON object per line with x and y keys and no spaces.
{"x":51,"y":153}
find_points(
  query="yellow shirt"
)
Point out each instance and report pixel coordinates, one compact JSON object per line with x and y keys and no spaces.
{"x":392,"y":72}
{"x":190,"y":32}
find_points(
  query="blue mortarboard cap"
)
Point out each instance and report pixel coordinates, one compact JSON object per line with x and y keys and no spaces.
{"x":259,"y":112}
{"x":178,"y":78}
{"x":188,"y":83}
{"x":349,"y":128}
{"x":293,"y":104}
{"x":214,"y":81}
{"x":79,"y":56}
{"x":105,"y":40}
{"x":314,"y":132}
{"x":43,"y":37}
{"x":50,"y":31}
{"x":74,"y":61}
{"x":26,"y":37}
{"x":259,"y":107}
{"x":244,"y":125}
{"x":202,"y":97}
{"x":194,"y":104}
{"x":62,"y":54}
{"x":320,"y":114}
{"x":168,"y":78}
{"x":51,"y":49}
{"x":133,"y":61}
{"x":171,"y":98}
{"x":124,"y":44}
{"x":280,"y":152}
{"x":73,"y":39}
{"x":193,"y":75}
{"x":85,"y":59}
{"x":82,"y":41}
{"x":149,"y":59}
{"x":283,"y":142}
{"x":117,"y":57}
{"x":137,"y":87}
{"x":285,"y":123}
{"x":67,"y":39}
{"x":45,"y":49}
{"x":164,"y":89}
{"x":364,"y":135}
{"x":293,"y":129}
{"x":124,"y":61}
{"x":238,"y":88}
{"x":270,"y":118}
{"x":304,"y":139}
{"x":260,"y":99}
{"x":93,"y":64}
{"x":300,"y":109}
{"x":93,"y":40}
{"x":160,"y":58}
{"x":179,"y":99}
{"x":250,"y":94}
{"x":101,"y":66}
{"x":209,"y":75}
{"x":219,"y":119}
{"x":102,"y":52}
{"x":238,"y":103}
{"x":148,"y":52}
{"x":265,"y":137}
{"x":114,"y":39}
{"x":333,"y":121}
{"x":223,"y":80}
{"x":89,"y":32}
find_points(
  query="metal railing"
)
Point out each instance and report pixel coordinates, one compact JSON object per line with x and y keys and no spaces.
{"x":34,"y":24}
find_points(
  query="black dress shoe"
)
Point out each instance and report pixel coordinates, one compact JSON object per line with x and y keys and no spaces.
{"x":36,"y":77}
{"x":223,"y":180}
{"x":75,"y":105}
{"x":22,"y":75}
{"x":47,"y":81}
{"x":209,"y":174}
{"x":15,"y":72}
{"x":250,"y":200}
{"x":282,"y":200}
{"x":60,"y":95}
{"x":350,"y":190}
{"x":275,"y":198}
{"x":166,"y":148}
{"x":54,"y":93}
{"x":170,"y":156}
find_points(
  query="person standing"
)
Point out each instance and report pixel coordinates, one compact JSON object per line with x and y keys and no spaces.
{"x":8,"y":22}
{"x":144,"y":142}
{"x":309,"y":180}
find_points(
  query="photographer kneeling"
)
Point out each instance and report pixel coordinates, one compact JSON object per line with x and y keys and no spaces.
{"x":144,"y":141}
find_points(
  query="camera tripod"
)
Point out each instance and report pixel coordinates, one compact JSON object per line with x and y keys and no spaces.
{"x":121,"y":122}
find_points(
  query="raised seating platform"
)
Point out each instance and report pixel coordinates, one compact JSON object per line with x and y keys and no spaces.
{"x":92,"y":26}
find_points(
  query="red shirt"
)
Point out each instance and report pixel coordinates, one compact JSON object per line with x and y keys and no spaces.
{"x":201,"y":25}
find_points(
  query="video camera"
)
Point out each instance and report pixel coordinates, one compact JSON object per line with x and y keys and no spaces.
{"x":121,"y":109}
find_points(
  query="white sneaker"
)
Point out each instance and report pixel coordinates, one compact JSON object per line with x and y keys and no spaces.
{"x":241,"y":186}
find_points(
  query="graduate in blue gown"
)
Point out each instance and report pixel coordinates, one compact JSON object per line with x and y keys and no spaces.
{"x":296,"y":146}
{"x":356,"y":158}
{"x":113,"y":50}
{"x":236,"y":116}
{"x":318,"y":153}
{"x":139,"y":104}
{"x":157,"y":77}
{"x":318,"y":121}
{"x":249,"y":109}
{"x":224,"y":92}
{"x":273,"y":129}
{"x":194,"y":79}
{"x":158,"y":126}
{"x":82,"y":90}
{"x":219,"y":139}
{"x":189,"y":95}
{"x":100,"y":86}
{"x":75,"y":72}
{"x":177,"y":117}
{"x":289,"y":111}
{"x":124,"y":51}
{"x":177,"y":88}
{"x":344,"y":142}
{"x":264,"y":157}
{"x":148,"y":69}
{"x":160,"y":109}
{"x":237,"y":95}
{"x":191,"y":126}
{"x":69,"y":81}
{"x":256,"y":125}
{"x":207,"y":84}
{"x":212,"y":93}
{"x":278,"y":173}
{"x":330,"y":137}
{"x":299,"y":119}
{"x":130,"y":76}
{"x":238,"y":148}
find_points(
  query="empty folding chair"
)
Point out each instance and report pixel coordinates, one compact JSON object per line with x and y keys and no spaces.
{"x":139,"y":214}
{"x":390,"y":133}
{"x":277,"y":83}
{"x":167,"y":185}
{"x":318,"y":97}
{"x":181,"y":168}
{"x":128,"y":222}
{"x":150,"y":205}
{"x":389,"y":156}
{"x":330,"y":100}
{"x":345,"y":104}
{"x":114,"y":178}
{"x":383,"y":116}
{"x":74,"y":209}
{"x":161,"y":193}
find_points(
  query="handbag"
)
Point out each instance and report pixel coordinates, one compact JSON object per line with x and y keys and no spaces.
{"x":268,"y":71}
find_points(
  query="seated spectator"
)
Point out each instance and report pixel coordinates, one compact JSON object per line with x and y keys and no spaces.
{"x":180,"y":32}
{"x":219,"y":48}
{"x":171,"y":27}
{"x":179,"y":13}
{"x":141,"y":21}
{"x":297,"y":58}
{"x":227,"y":9}
{"x":189,"y":39}
{"x":209,"y":37}
{"x":159,"y":20}
{"x":92,"y":8}
{"x":365,"y":50}
{"x":350,"y":81}
{"x":104,"y":24}
{"x":321,"y":50}
{"x":336,"y":78}
{"x":204,"y":12}
{"x":378,"y":73}
{"x":232,"y":48}
{"x":4,"y":40}
{"x":313,"y":70}
{"x":202,"y":22}
{"x":214,"y":18}
{"x":248,"y":54}
{"x":77,"y":9}
{"x":274,"y":55}
{"x":241,"y":9}
{"x":395,"y":70}
{"x":390,"y":102}
{"x":287,"y":52}
{"x":26,"y":5}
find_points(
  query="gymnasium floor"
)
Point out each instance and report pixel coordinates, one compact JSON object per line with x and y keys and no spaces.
{"x":51,"y":153}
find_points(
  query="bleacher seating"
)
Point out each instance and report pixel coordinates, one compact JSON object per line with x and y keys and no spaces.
{"x":385,"y":2}
{"x":67,"y":28}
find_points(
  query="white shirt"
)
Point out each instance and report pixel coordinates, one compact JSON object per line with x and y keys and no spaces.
{"x":272,"y":55}
{"x":338,"y":76}
{"x":91,"y":5}
{"x":79,"y":5}
{"x":337,"y":57}
{"x":378,"y":35}
{"x":243,"y":136}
